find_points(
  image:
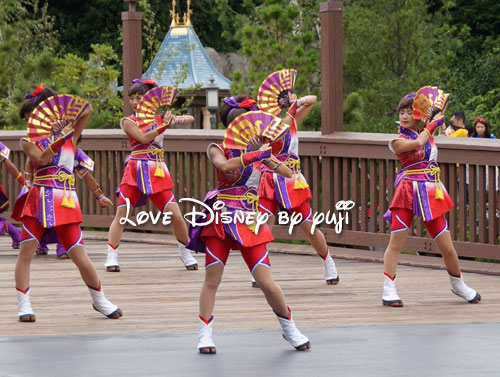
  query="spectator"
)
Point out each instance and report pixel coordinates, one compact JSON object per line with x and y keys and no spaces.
{"x":482,"y":129}
{"x":457,"y":126}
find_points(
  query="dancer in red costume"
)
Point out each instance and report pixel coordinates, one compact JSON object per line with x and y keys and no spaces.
{"x":146,"y":174}
{"x":293,"y":193}
{"x":237,"y":182}
{"x":419,"y":192}
{"x":52,"y":203}
{"x":5,"y":226}
{"x":84,"y":166}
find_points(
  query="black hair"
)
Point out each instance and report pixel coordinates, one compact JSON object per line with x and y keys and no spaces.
{"x":405,"y":103}
{"x":140,"y":89}
{"x":30,"y":104}
{"x":459,"y":115}
{"x":224,"y":111}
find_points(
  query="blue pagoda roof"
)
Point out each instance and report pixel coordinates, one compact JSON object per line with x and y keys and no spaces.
{"x":182,"y":62}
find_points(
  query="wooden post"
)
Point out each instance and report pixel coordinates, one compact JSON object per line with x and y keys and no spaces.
{"x":331,"y":68}
{"x":132,"y":50}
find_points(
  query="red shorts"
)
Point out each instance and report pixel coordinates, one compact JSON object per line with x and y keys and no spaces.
{"x":161,"y":199}
{"x":271,"y":206}
{"x":403,"y":217}
{"x":217,"y":251}
{"x":70,"y":235}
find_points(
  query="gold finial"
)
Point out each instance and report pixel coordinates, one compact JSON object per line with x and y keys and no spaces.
{"x":187,"y":15}
{"x":175,"y":17}
{"x":177,"y":20}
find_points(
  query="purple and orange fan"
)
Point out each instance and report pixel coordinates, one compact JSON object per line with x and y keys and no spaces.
{"x":67,"y":108}
{"x":276,"y":86}
{"x":428,"y":101}
{"x":151,"y":102}
{"x":253,"y":123}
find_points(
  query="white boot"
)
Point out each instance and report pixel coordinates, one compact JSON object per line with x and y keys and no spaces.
{"x":103,"y":305}
{"x":26,"y":313}
{"x":331,"y":275}
{"x":292,"y":334}
{"x":205,"y":342}
{"x":390,"y":296}
{"x":461,"y":289}
{"x":187,"y":258}
{"x":112,"y":259}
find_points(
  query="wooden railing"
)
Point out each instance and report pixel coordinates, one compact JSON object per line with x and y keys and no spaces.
{"x":342,"y":166}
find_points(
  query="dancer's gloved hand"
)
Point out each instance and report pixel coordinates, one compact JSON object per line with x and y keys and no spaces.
{"x":169,"y":119}
{"x":56,"y":145}
{"x":250,"y":157}
{"x":436,"y":122}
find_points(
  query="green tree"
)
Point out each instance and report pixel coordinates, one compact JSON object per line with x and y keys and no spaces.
{"x":392,"y":47}
{"x":279,"y":34}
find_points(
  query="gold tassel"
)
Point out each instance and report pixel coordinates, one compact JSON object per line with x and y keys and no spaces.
{"x":65,"y":202}
{"x":71,"y":203}
{"x":159,"y":172}
{"x":299,"y":183}
{"x":439,"y":192}
{"x":252,"y":227}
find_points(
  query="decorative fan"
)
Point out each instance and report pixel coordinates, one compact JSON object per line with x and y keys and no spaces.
{"x":250,"y":124}
{"x":427,"y":101}
{"x":279,"y":82}
{"x":150,"y":102}
{"x":65,"y":108}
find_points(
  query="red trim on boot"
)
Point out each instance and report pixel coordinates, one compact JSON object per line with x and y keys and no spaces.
{"x":389,"y":276}
{"x":326,"y":255}
{"x":23,"y":292}
{"x":205,"y":321}
{"x":113,"y":247}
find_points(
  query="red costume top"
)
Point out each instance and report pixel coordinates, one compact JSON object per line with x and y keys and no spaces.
{"x":146,"y":168}
{"x":237,"y":189}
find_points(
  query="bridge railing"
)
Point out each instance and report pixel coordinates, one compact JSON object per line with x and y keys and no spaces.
{"x":341,"y":166}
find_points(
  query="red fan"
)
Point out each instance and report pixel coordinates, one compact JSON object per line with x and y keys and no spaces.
{"x":150,"y":102}
{"x":65,"y":108}
{"x":250,"y":124}
{"x":428,"y":101}
{"x":276,"y":84}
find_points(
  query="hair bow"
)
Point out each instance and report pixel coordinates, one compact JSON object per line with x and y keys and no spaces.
{"x":35,"y":93}
{"x":481,"y":120}
{"x":145,"y":81}
{"x":247,"y":103}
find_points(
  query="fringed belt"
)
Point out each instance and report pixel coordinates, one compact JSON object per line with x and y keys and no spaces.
{"x":158,"y":153}
{"x":434,"y":172}
{"x":68,"y":181}
{"x":251,"y":199}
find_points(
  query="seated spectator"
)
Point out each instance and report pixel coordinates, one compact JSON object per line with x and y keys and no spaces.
{"x":482,"y":129}
{"x":457,"y":126}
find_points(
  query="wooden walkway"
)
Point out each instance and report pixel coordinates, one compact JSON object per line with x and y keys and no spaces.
{"x":157,"y":294}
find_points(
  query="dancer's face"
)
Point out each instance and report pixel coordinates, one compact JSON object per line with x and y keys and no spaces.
{"x":134,"y":100}
{"x":406,"y":118}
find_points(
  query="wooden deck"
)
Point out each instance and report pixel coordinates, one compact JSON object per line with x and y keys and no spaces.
{"x":157,"y":294}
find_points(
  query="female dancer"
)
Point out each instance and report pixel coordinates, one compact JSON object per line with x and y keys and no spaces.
{"x":237,"y":182}
{"x":5,"y":226}
{"x":84,"y":165}
{"x":419,"y":192}
{"x":52,"y":203}
{"x":140,"y":177}
{"x":293,"y":193}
